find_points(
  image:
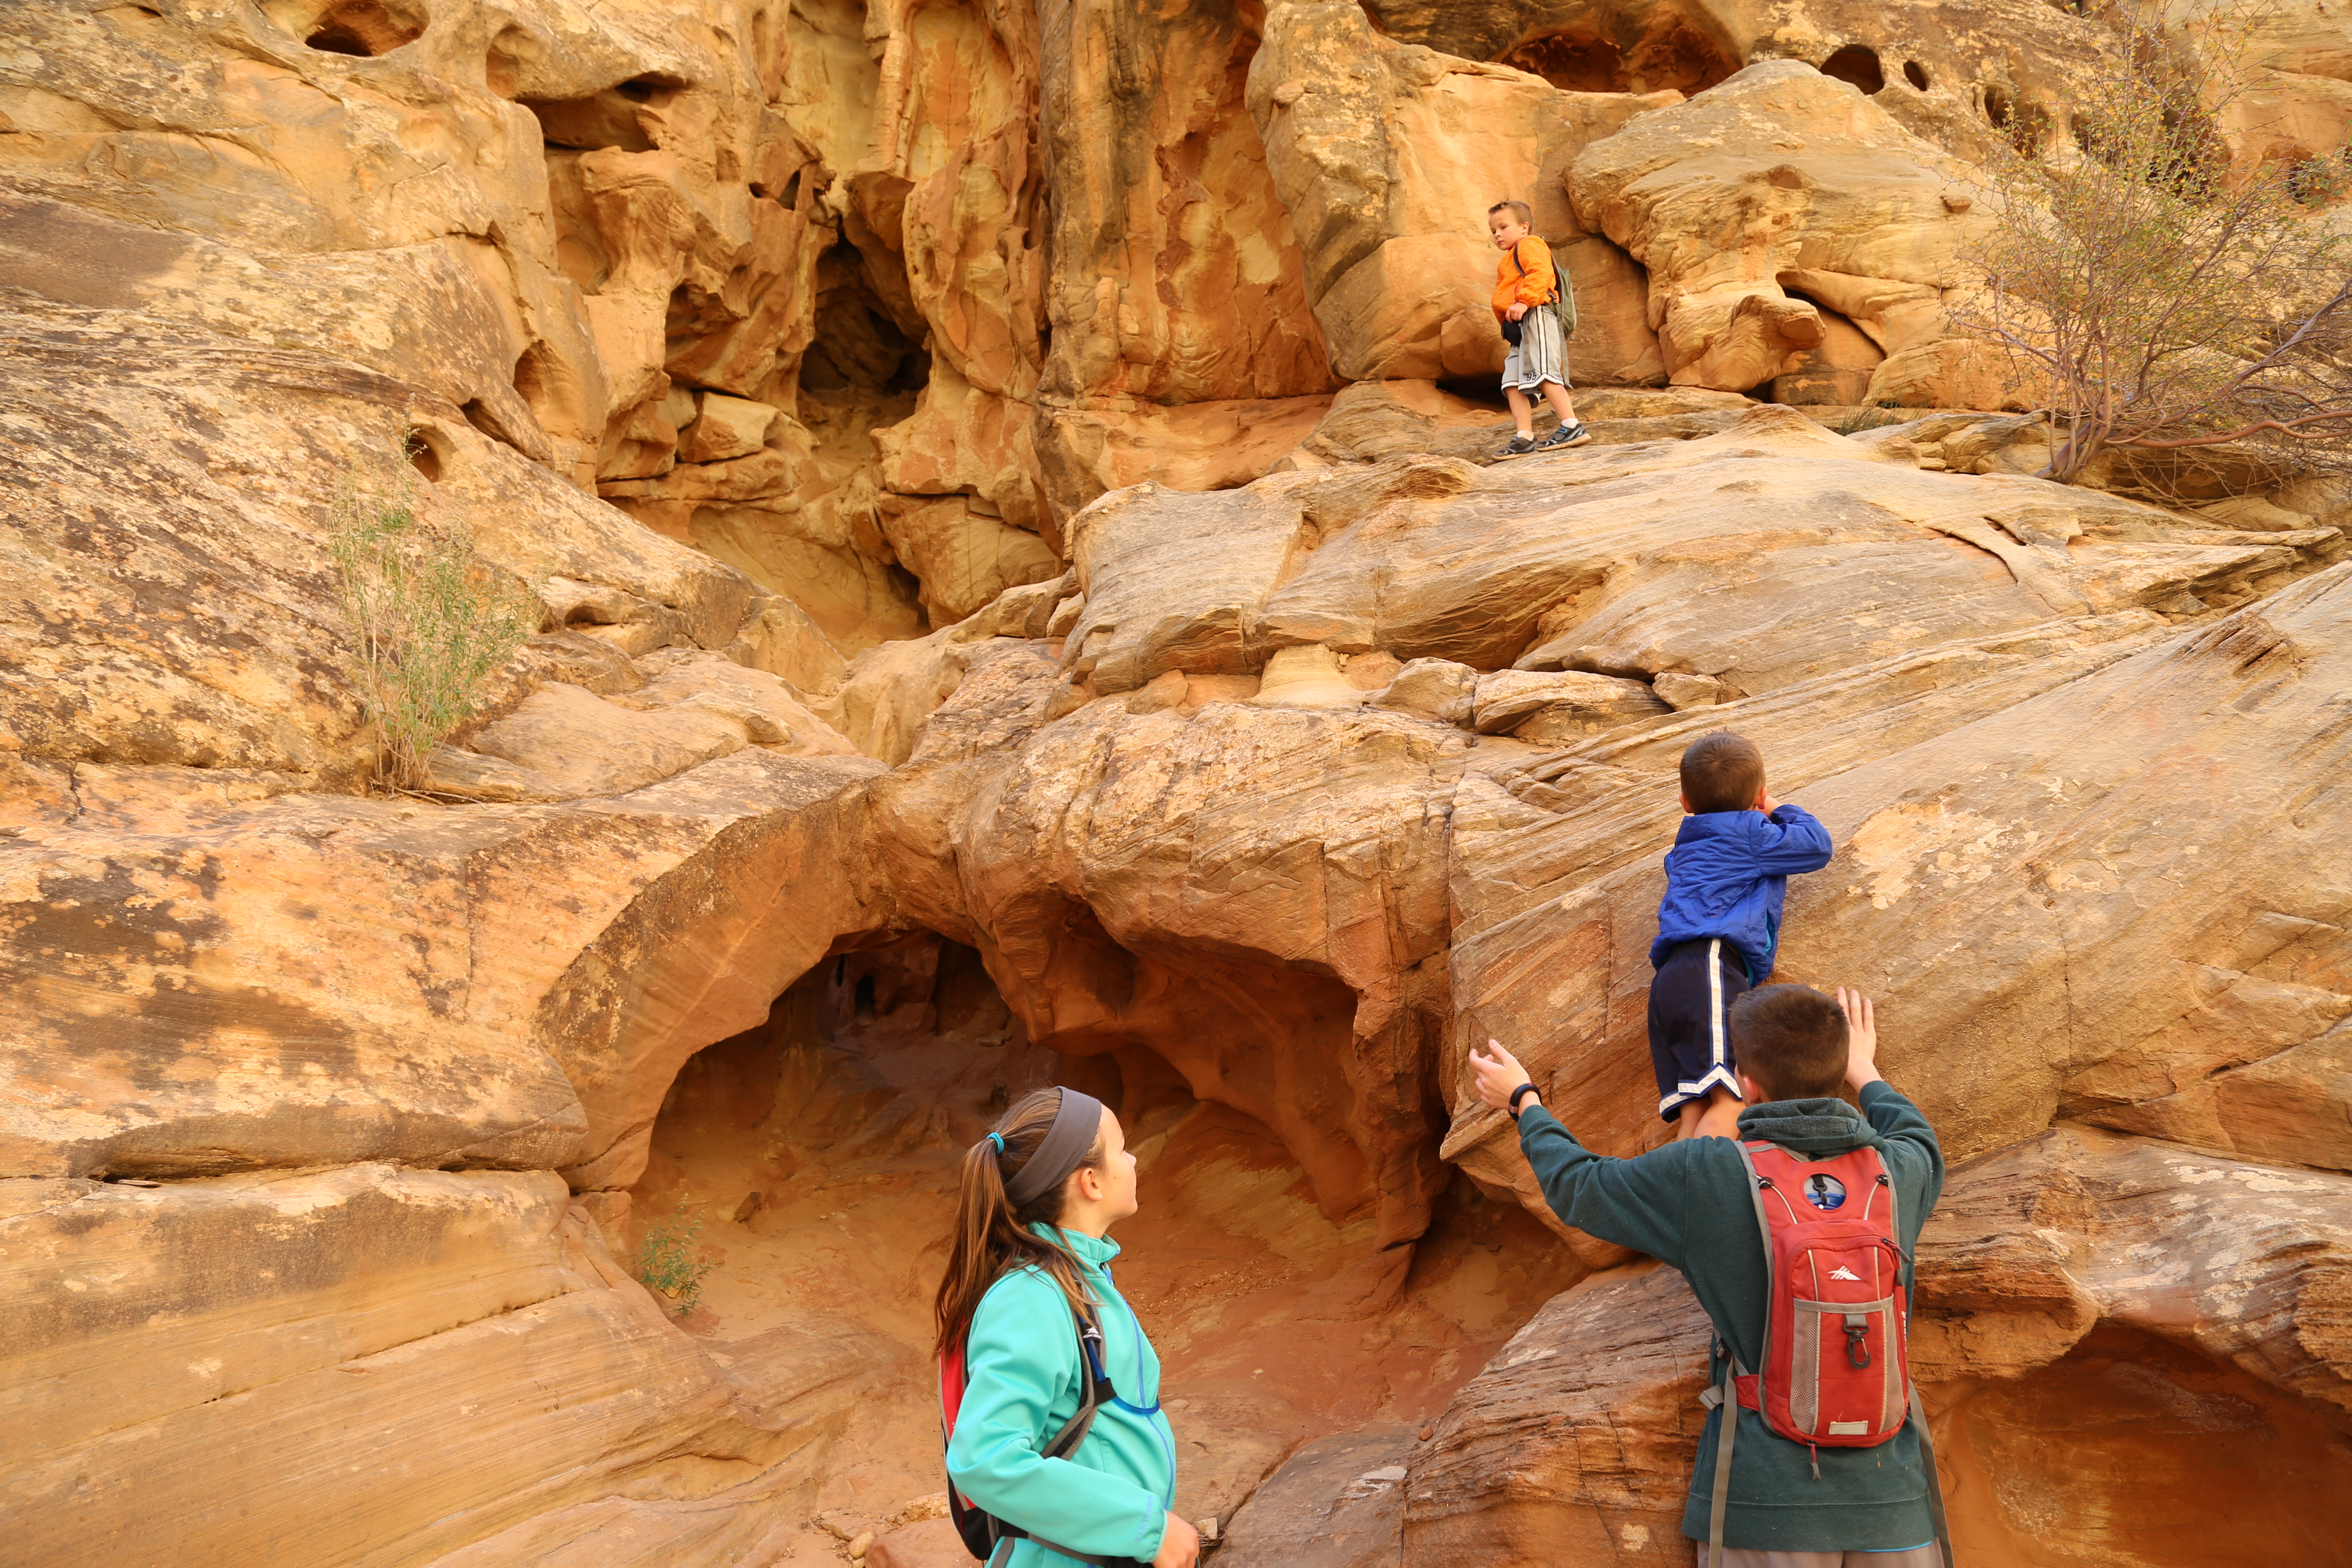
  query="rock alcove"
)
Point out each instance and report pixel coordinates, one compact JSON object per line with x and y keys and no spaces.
{"x":1028,"y":597}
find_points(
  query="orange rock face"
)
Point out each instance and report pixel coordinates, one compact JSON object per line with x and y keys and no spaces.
{"x":1025,"y":594}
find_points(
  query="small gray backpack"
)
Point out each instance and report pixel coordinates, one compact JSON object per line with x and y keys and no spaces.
{"x":1563,"y":298}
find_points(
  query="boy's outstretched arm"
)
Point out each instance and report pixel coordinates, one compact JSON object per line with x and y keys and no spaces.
{"x":1793,"y":840}
{"x":1637,"y":1202}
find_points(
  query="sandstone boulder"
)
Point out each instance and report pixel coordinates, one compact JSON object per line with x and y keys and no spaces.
{"x":1551,"y":707}
{"x":1963,"y":74}
{"x":1779,"y":195}
{"x":306,"y":977}
{"x":302,"y":1305}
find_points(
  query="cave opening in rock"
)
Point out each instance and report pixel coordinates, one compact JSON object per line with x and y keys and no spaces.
{"x":606,"y":119}
{"x":426,"y":451}
{"x":2151,"y":1433}
{"x":1915,"y":74}
{"x":858,"y":345}
{"x":820,"y":1152}
{"x":864,"y":368}
{"x":1679,"y":52}
{"x":1578,"y":60}
{"x":1628,"y":52}
{"x":364,"y":29}
{"x":1858,"y":65}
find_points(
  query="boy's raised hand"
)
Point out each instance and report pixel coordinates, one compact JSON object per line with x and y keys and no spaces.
{"x":1499,"y":1074}
{"x":1861,"y":1038}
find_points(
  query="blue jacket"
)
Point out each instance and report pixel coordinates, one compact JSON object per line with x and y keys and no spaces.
{"x":1727,"y":876}
{"x":1112,"y":1495}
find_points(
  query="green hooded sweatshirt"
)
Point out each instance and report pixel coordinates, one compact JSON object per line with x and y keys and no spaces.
{"x":1025,"y":1378}
{"x":1688,"y":1206}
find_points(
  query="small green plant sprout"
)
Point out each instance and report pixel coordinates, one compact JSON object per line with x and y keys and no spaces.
{"x":668,"y":1262}
{"x":429,"y":622}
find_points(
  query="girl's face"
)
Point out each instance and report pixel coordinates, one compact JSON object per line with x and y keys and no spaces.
{"x":1118,"y":1174}
{"x":1100,"y":1196}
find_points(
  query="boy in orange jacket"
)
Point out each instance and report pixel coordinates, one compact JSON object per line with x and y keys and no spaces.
{"x":1526,"y":283}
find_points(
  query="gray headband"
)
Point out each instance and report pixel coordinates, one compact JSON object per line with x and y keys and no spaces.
{"x":1061,"y":1151}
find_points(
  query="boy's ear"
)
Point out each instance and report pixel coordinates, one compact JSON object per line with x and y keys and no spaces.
{"x":1684,"y":797}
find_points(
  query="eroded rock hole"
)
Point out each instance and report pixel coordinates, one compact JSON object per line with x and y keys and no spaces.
{"x":608,"y":119}
{"x":1666,"y":49}
{"x":820,"y":1152}
{"x":858,"y":345}
{"x":509,"y":54}
{"x":1677,"y":55}
{"x":1579,"y":62}
{"x":424,"y":454}
{"x":1857,"y":64}
{"x":361,"y":28}
{"x":2155,"y":1432}
{"x":1915,"y":74}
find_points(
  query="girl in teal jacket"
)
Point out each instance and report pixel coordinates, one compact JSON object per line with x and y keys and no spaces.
{"x":1036,"y":1199}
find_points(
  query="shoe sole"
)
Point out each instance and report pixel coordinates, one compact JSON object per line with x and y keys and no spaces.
{"x":1563,"y":445}
{"x":1508,"y":457}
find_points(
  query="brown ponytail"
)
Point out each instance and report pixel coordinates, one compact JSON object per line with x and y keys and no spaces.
{"x":989,"y":1236}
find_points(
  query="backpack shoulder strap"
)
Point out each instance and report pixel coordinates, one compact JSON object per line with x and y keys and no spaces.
{"x":1756,"y":1196}
{"x":1095,"y":1387}
{"x":1523,"y":270}
{"x":1935,"y":1481}
{"x":1727,"y":1411}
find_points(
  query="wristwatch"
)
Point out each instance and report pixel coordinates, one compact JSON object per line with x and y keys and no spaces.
{"x":1523,"y":1088}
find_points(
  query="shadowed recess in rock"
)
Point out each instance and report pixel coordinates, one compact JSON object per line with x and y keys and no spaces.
{"x":820,"y":1152}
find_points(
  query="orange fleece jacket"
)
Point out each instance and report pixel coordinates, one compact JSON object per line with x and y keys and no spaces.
{"x":1536,"y":288}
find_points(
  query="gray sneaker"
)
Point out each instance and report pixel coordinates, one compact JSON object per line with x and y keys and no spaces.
{"x":1517,"y":447}
{"x":1574,"y":434}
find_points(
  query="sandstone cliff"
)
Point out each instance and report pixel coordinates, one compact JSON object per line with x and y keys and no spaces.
{"x":1025,"y":596}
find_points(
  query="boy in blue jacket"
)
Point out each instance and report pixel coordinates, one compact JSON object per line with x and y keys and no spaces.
{"x":1718,"y":925}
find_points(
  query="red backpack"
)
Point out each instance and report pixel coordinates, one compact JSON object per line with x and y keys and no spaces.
{"x":983,"y":1533}
{"x":1837,"y":1360}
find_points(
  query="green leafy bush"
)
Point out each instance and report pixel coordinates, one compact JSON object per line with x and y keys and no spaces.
{"x":430,"y":624}
{"x":669,"y":1263}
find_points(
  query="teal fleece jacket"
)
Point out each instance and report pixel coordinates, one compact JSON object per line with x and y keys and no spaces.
{"x":1688,"y":1206}
{"x":1025,"y":1378}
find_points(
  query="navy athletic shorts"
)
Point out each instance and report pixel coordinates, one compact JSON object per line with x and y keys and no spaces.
{"x":1690,"y":1022}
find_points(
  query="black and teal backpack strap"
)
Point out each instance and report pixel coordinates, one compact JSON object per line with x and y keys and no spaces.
{"x":1095,"y":1387}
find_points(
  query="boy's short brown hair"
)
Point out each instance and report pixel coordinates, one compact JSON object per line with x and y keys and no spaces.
{"x":1526,"y":215}
{"x":1722,"y":772}
{"x":1791,"y":1039}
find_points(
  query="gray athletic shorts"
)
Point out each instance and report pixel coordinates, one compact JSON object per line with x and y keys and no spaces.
{"x":1927,"y":1556}
{"x":1541,"y":354}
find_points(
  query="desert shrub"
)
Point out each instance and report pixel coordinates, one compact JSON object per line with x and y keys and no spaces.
{"x":429,"y":622}
{"x":2153,"y":293}
{"x":668,"y":1262}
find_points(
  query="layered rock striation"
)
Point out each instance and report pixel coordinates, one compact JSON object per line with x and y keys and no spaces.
{"x":1024,"y":595}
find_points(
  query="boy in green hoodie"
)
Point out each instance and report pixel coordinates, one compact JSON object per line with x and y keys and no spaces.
{"x":1687,"y":1205}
